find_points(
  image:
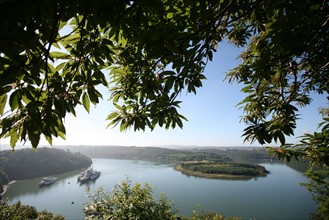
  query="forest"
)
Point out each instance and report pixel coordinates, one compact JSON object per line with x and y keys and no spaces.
{"x":166,"y":155}
{"x":27,"y":164}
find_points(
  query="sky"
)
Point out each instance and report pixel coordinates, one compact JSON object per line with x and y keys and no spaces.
{"x":213,"y":118}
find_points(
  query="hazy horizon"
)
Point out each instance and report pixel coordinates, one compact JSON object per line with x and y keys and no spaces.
{"x":170,"y":146}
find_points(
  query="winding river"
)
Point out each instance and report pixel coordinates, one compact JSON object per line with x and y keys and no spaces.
{"x":277,"y":196}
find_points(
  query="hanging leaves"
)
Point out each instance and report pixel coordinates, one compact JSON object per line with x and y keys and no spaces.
{"x":53,"y":57}
{"x":3,"y":102}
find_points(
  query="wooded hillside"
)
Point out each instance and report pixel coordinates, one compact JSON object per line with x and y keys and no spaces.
{"x":146,"y":153}
{"x":250,"y":155}
{"x":28,"y":163}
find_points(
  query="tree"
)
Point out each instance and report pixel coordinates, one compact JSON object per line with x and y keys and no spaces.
{"x":18,"y":211}
{"x":319,"y":187}
{"x":284,"y":62}
{"x":137,"y":202}
{"x":133,"y":39}
{"x":200,"y":215}
{"x":129,"y":202}
{"x":154,"y":50}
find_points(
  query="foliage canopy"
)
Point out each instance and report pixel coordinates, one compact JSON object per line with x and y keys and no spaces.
{"x":318,"y":185}
{"x":154,"y":50}
{"x":127,"y":201}
{"x":18,"y":211}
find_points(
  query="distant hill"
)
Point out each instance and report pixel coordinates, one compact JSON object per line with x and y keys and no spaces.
{"x":158,"y":154}
{"x":28,"y":163}
{"x":253,"y":155}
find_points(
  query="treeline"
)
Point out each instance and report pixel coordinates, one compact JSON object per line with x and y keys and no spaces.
{"x":242,"y":154}
{"x":250,"y":155}
{"x":210,"y":167}
{"x":254,"y":155}
{"x":147,"y":153}
{"x":28,"y":163}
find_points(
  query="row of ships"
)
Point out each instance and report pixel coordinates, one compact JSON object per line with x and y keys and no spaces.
{"x":88,"y":175}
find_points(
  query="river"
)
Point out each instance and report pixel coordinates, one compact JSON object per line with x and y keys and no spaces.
{"x":277,"y":196}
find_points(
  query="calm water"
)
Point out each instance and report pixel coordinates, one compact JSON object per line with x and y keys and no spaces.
{"x":277,"y":196}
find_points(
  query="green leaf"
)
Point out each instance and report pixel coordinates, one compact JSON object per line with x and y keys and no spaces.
{"x":49,"y":139}
{"x":282,"y":138}
{"x":247,"y":89}
{"x":112,"y":115}
{"x":93,"y":95}
{"x":72,"y":39}
{"x":123,"y":126}
{"x":3,"y":101}
{"x":182,"y":117}
{"x":60,"y":66}
{"x":34,"y":137}
{"x":62,"y":24}
{"x":117,"y":71}
{"x":85,"y":101}
{"x":51,"y":68}
{"x":59,"y":55}
{"x":117,"y":106}
{"x":13,"y":138}
{"x":62,"y":135}
{"x":179,"y":122}
{"x":55,"y":44}
{"x":14,"y":100}
{"x":100,"y":76}
{"x":70,"y":108}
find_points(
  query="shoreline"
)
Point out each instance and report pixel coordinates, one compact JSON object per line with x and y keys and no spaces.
{"x":6,"y":187}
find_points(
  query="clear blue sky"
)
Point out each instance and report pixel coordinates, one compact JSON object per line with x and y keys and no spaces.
{"x":214,"y":119}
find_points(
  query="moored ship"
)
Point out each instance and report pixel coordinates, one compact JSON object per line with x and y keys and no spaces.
{"x":87,"y":175}
{"x":47,"y":181}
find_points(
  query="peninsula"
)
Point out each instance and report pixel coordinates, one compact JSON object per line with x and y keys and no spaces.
{"x":221,"y":170}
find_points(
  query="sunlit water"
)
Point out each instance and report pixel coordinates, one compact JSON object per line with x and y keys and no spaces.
{"x":277,"y":196}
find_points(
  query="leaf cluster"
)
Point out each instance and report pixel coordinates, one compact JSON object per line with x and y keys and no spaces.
{"x":281,"y":66}
{"x":128,"y":202}
{"x":18,"y":211}
{"x":54,"y":55}
{"x":314,"y":147}
{"x":319,"y":187}
{"x":198,"y":214}
{"x":45,"y":73}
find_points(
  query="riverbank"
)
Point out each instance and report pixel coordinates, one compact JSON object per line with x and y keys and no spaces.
{"x":6,"y":187}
